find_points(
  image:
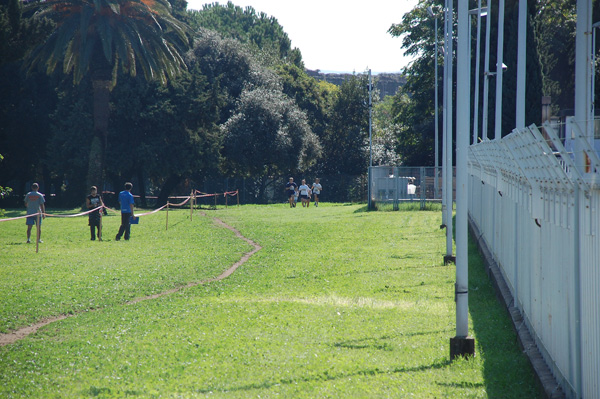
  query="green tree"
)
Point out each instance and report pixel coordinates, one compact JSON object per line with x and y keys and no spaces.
{"x":171,"y":129}
{"x":347,"y":136}
{"x":100,"y":37}
{"x":26,"y":104}
{"x":228,"y":67}
{"x":313,"y":96}
{"x":268,"y":135}
{"x":4,"y":191}
{"x":263,"y":35}
{"x":414,"y":107}
{"x":555,"y":26}
{"x":534,"y":85}
{"x":18,"y":34}
{"x":385,"y":134}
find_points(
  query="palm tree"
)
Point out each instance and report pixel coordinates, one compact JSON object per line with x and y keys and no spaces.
{"x":96,"y":38}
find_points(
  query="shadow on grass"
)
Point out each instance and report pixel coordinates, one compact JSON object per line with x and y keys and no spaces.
{"x":328,"y":376}
{"x":506,"y":370}
{"x":379,"y":343}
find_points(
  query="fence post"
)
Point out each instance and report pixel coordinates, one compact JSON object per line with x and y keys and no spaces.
{"x":422,"y":182}
{"x":38,"y":233}
{"x":191,"y":204}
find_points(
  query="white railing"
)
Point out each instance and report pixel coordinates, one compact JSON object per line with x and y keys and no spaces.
{"x":540,"y":218}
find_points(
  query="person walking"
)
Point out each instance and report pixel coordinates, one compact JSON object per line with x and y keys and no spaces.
{"x":93,"y":201}
{"x":316,"y":190}
{"x":127,"y":202}
{"x":34,"y":201}
{"x":304,"y":194}
{"x":290,"y":189}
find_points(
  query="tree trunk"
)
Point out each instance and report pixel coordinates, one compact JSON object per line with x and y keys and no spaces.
{"x":98,"y":146}
{"x":166,"y":189}
{"x":262,"y":189}
{"x":142,"y":185}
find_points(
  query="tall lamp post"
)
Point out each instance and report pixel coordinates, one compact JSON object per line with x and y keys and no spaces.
{"x":462,"y":345}
{"x":437,"y":156}
{"x":447,"y":192}
{"x":480,"y":13}
{"x":370,"y":138}
{"x":436,"y":141}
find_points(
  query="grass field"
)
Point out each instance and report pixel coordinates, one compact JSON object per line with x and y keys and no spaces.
{"x":338,"y":303}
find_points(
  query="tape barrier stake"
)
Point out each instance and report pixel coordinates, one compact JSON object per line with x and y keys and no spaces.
{"x":237,"y":194}
{"x":39,"y":233}
{"x":191,"y":205}
{"x":225,"y":200}
{"x":100,"y":227}
{"x":167,"y":228}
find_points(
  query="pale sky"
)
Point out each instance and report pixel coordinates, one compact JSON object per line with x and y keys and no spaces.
{"x":338,"y":35}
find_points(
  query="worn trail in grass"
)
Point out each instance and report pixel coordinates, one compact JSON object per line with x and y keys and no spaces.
{"x":338,"y":303}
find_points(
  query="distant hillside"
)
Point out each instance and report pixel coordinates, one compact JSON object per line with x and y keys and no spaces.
{"x":388,"y":83}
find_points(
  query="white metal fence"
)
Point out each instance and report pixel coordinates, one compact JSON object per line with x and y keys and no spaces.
{"x":391,"y":185}
{"x":540,"y":218}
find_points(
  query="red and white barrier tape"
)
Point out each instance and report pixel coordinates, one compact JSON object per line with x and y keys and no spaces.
{"x":151,"y":212}
{"x":20,"y":217}
{"x":76,"y":215}
{"x":188,"y":198}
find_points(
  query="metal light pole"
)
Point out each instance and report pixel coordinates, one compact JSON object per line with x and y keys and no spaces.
{"x":370,"y":119}
{"x":436,"y":186}
{"x":448,"y":114}
{"x":480,"y":12}
{"x":583,"y":107}
{"x":499,"y":70}
{"x":521,"y":65}
{"x":462,"y":344}
{"x":486,"y":72}
{"x":593,"y":90}
{"x":370,"y":138}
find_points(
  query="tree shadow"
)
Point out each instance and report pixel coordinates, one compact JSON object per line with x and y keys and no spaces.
{"x":327,"y":375}
{"x":505,"y":365}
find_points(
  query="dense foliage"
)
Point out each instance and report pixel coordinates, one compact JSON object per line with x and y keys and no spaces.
{"x":414,"y":105}
{"x":243,"y":106}
{"x":236,"y":104}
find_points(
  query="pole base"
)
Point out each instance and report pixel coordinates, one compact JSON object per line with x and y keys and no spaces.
{"x":462,"y":346}
{"x":449,"y":259}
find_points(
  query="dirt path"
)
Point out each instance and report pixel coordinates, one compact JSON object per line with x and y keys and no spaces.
{"x":10,"y":338}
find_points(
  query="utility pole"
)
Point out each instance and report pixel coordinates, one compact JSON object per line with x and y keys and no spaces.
{"x":521,"y":64}
{"x":370,"y":138}
{"x":436,"y":186}
{"x":462,"y":344}
{"x":448,"y":114}
{"x":499,"y":70}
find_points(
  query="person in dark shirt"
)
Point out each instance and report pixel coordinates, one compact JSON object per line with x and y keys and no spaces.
{"x":291,"y":188}
{"x":93,"y":201}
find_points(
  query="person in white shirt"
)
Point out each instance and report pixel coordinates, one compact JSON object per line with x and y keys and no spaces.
{"x":304,"y":194}
{"x":316,"y":190}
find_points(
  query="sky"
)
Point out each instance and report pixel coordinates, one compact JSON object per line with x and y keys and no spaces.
{"x":338,"y":35}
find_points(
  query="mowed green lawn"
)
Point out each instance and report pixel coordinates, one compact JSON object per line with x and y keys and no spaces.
{"x":339,"y":303}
